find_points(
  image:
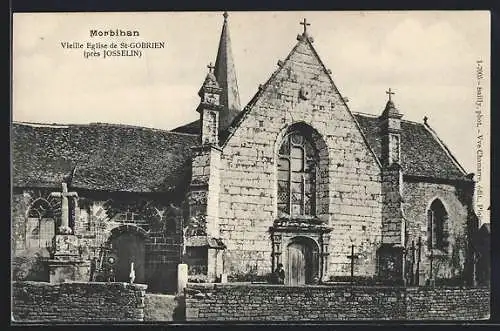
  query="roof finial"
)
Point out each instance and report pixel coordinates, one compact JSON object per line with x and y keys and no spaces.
{"x":305,"y":24}
{"x":425,"y":119}
{"x":390,"y":109}
{"x":226,"y":15}
{"x":211,"y":68}
{"x":390,"y":92}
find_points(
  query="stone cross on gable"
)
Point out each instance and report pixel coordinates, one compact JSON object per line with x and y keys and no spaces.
{"x":65,"y":207}
{"x":305,"y":24}
{"x":390,"y":92}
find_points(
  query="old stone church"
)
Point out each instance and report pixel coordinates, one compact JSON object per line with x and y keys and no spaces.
{"x":294,"y":177}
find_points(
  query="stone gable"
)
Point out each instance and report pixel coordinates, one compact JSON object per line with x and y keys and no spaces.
{"x":300,"y":91}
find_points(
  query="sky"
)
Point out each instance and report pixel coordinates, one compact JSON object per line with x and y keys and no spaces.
{"x":428,"y":59}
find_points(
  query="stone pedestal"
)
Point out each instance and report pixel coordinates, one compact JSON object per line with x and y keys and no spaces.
{"x":182,"y":277}
{"x":69,"y":271}
{"x":67,"y":264}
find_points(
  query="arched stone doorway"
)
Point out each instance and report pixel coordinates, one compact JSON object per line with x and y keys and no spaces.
{"x":303,"y":261}
{"x":304,"y":243}
{"x":127,"y":244}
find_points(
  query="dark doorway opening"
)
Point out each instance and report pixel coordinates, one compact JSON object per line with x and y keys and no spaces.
{"x":129,"y":247}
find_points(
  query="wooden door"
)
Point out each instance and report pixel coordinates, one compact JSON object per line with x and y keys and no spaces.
{"x":296,"y":264}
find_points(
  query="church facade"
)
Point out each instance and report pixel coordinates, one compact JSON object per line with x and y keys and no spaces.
{"x":294,"y":178}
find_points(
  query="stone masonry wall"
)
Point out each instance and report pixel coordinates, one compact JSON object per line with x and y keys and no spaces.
{"x":96,"y":219}
{"x":247,"y":205}
{"x":420,"y":196}
{"x":93,"y":220}
{"x":391,"y":209}
{"x":283,"y":303}
{"x":20,"y":203}
{"x":446,"y":303}
{"x":77,"y":302}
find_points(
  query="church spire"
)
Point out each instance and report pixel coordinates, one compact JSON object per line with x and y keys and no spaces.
{"x":225,"y":73}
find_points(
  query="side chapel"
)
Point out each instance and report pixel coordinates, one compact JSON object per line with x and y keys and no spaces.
{"x":294,"y":177}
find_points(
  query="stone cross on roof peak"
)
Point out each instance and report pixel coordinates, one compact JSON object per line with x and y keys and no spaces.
{"x":305,"y":24}
{"x":226,"y":15}
{"x":211,"y":67}
{"x":390,"y":93}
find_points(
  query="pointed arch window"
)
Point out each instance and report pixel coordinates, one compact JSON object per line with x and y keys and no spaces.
{"x":297,"y":169}
{"x":40,"y":227}
{"x":437,"y":226}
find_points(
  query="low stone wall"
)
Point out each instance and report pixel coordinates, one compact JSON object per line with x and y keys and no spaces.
{"x":448,"y":303}
{"x":77,"y":302}
{"x":252,"y":302}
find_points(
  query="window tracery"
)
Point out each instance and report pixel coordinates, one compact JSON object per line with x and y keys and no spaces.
{"x":297,"y":169}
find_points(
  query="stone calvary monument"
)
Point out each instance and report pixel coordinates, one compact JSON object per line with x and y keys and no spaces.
{"x":67,"y":263}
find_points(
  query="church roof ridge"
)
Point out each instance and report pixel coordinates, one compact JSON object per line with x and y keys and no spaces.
{"x":374,"y":116}
{"x":42,"y":125}
{"x":411,"y":122}
{"x":96,"y":124}
{"x":122,"y":125}
{"x":364,"y":114}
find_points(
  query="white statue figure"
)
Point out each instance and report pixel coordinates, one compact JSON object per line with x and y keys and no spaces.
{"x":132,"y":273}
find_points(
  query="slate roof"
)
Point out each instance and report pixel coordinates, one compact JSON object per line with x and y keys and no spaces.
{"x":191,"y":128}
{"x":109,"y":157}
{"x":422,"y":154}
